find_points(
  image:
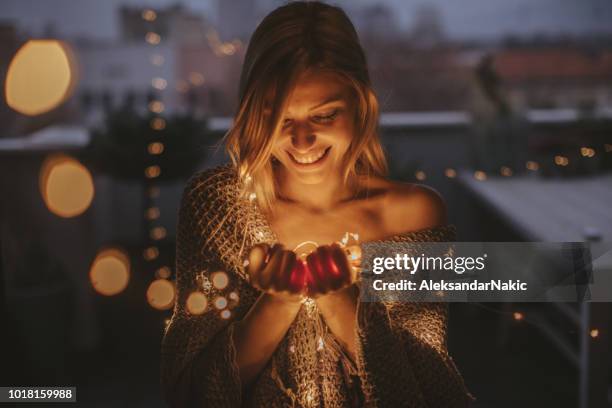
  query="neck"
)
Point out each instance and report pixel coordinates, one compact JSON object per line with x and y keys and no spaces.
{"x":316,"y":197}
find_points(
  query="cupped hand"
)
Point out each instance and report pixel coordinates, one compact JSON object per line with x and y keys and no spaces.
{"x":328,"y":270}
{"x":277,"y":271}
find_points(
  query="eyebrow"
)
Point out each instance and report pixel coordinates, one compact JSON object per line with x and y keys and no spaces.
{"x":335,"y":98}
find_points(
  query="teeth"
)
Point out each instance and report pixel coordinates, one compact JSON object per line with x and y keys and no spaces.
{"x":311,"y":158}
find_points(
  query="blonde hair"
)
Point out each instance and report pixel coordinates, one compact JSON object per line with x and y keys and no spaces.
{"x":292,"y":39}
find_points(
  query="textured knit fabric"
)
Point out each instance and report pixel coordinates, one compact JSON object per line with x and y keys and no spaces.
{"x":402,"y":358}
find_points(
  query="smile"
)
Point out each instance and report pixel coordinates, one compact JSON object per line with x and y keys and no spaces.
{"x":310,"y":158}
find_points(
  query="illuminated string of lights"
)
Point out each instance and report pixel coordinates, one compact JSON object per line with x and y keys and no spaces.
{"x":531,"y":165}
{"x":519,"y":316}
{"x":161,"y":293}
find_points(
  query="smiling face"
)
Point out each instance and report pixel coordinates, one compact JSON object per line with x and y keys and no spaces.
{"x":317,"y":128}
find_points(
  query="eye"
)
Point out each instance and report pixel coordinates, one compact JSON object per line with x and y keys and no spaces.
{"x":326,"y":117}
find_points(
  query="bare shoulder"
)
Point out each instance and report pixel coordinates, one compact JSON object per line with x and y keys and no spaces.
{"x":409,"y":207}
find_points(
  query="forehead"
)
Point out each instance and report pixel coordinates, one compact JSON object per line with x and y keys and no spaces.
{"x":313,"y":88}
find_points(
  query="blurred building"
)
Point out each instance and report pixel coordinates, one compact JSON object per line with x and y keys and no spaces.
{"x":172,"y":56}
{"x":557,"y":77}
{"x":237,"y":18}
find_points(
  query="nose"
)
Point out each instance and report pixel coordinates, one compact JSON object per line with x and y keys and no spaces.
{"x":302,"y":137}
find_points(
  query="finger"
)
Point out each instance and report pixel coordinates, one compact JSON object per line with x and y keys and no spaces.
{"x":283,"y":280}
{"x":317,"y":269}
{"x":256,"y":258}
{"x":266,"y":275}
{"x":346,"y":275}
{"x":334,"y":275}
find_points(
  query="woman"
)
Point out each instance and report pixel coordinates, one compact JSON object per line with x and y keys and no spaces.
{"x":307,"y":167}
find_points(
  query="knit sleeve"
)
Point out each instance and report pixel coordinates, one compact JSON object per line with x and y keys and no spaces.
{"x":402,"y":356}
{"x":198,"y":359}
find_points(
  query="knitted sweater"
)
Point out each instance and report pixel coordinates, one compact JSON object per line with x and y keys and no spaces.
{"x":402,"y":358}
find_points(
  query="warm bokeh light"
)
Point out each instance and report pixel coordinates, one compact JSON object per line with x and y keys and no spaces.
{"x":594,"y":333}
{"x":450,"y":173}
{"x":480,"y":175}
{"x":420,"y":175}
{"x":158,"y":123}
{"x":164,"y":272}
{"x":587,"y":151}
{"x":152,"y":171}
{"x":234,"y":296}
{"x":220,"y":280}
{"x":159,"y":83}
{"x":226,"y":314}
{"x":152,"y":213}
{"x":155,"y":148}
{"x":518,"y":316}
{"x":149,"y":15}
{"x":505,"y":171}
{"x":110,"y":272}
{"x":66,"y":186}
{"x":531,"y":165}
{"x":220,"y":302}
{"x":40,"y":77}
{"x":197,"y":303}
{"x":156,"y":106}
{"x":158,"y":233}
{"x":196,"y":78}
{"x":150,"y":253}
{"x":561,"y":160}
{"x":152,"y":38}
{"x":160,"y":294}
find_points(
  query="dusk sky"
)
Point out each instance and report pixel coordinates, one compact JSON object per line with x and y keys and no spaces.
{"x":462,"y":18}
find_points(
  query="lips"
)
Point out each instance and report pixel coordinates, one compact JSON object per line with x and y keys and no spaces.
{"x":310,"y":158}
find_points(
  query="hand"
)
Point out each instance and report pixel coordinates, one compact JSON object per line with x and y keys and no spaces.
{"x":328,"y":270}
{"x":277,"y":271}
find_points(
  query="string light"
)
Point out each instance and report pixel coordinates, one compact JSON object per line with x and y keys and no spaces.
{"x":149,"y":15}
{"x":587,"y":152}
{"x":196,"y":78}
{"x":518,"y":316}
{"x":152,"y":38}
{"x":450,"y":173}
{"x":158,"y":233}
{"x":152,"y":213}
{"x":155,"y":148}
{"x":594,"y":333}
{"x":150,"y":253}
{"x":164,"y":272}
{"x":532,"y":165}
{"x":561,"y":160}
{"x":226,"y":314}
{"x":420,"y":175}
{"x":220,"y":302}
{"x":480,"y":175}
{"x":506,"y":171}
{"x":159,"y":83}
{"x":156,"y":106}
{"x":197,"y":303}
{"x":158,"y":123}
{"x":161,"y":294}
{"x":220,"y":280}
{"x":152,"y":171}
{"x":234,"y":296}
